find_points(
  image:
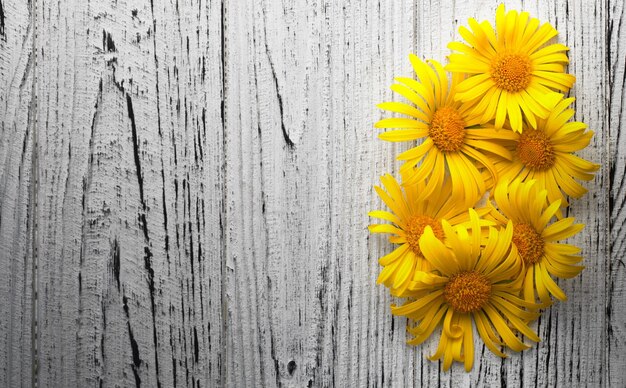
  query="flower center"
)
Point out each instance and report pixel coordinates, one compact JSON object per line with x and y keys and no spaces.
{"x":415,"y":228}
{"x":467,"y":291}
{"x":528,"y":242}
{"x":535,"y":150}
{"x":511,"y":72}
{"x":447,"y":129}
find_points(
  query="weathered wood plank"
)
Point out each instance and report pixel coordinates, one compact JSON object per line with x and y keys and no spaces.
{"x":279,"y":93}
{"x":568,"y":355}
{"x":301,"y":86}
{"x":129,"y":198}
{"x":574,"y":341}
{"x":616,"y":271}
{"x":17,"y":220}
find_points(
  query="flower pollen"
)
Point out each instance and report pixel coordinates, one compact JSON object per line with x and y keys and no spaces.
{"x":447,"y":129}
{"x":535,"y":150}
{"x":511,"y":72}
{"x":528,"y":242}
{"x":467,"y":292}
{"x":415,"y":228}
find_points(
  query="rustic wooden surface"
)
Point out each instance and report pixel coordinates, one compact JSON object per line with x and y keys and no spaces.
{"x":184,"y":188}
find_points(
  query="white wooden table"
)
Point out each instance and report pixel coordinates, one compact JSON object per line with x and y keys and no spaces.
{"x":184,"y":188}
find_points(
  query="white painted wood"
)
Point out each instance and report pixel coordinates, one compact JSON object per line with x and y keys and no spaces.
{"x":126,"y":112}
{"x":184,"y":189}
{"x":16,"y":224}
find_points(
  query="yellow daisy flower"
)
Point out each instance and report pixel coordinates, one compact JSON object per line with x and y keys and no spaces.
{"x":546,"y":155}
{"x":470,"y":284}
{"x":511,"y":71}
{"x":536,"y":239}
{"x":451,"y":140}
{"x":410,"y":214}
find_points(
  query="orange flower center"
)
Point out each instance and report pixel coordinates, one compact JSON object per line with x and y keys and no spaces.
{"x":535,"y":150}
{"x":447,"y":129}
{"x":415,"y":228}
{"x":467,"y":291}
{"x":511,"y":72}
{"x":528,"y":242}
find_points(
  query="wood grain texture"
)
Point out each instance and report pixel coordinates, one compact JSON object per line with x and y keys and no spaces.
{"x":16,"y":188}
{"x":123,"y":125}
{"x":184,"y":190}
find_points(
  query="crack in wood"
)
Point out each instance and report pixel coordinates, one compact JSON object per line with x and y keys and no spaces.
{"x":286,"y":137}
{"x":2,"y":33}
{"x":144,"y":225}
{"x":107,"y":42}
{"x":279,"y":98}
{"x":133,"y":344}
{"x":115,"y":259}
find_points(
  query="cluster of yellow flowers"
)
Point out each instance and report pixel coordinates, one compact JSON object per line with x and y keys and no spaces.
{"x":496,"y":132}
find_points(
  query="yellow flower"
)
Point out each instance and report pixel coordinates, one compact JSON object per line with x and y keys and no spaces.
{"x":546,"y":155}
{"x":451,"y":140}
{"x":471,"y":283}
{"x":511,"y":71}
{"x":536,"y":239}
{"x":409,"y":215}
